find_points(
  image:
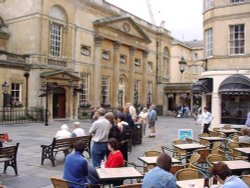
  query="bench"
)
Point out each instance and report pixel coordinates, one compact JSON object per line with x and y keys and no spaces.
{"x":8,"y":157}
{"x":65,"y":145}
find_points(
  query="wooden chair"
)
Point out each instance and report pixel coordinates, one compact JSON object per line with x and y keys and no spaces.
{"x":179,"y":152}
{"x":175,"y":168}
{"x":233,"y":153}
{"x":203,"y":155}
{"x":151,"y":153}
{"x":246,"y":179}
{"x":216,"y":134}
{"x":216,"y":147}
{"x":135,"y":185}
{"x":227,"y":127}
{"x":193,"y":159}
{"x":189,"y":173}
{"x":204,"y":142}
{"x":59,"y":183}
{"x":214,"y":158}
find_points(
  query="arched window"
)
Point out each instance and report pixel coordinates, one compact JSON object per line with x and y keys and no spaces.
{"x":59,"y":19}
{"x":121,"y":92}
{"x":166,"y":66}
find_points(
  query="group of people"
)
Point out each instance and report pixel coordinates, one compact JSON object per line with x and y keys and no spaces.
{"x":65,"y":133}
{"x":109,"y":130}
{"x":161,"y":177}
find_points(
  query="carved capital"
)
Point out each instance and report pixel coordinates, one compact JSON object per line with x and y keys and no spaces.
{"x":116,"y":45}
{"x":132,"y":50}
{"x":145,"y":54}
{"x":98,"y":40}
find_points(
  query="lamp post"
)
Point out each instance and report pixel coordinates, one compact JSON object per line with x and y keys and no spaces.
{"x":6,"y":97}
{"x":47,"y":103}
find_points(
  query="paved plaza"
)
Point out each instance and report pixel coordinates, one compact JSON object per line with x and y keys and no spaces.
{"x":30,"y":136}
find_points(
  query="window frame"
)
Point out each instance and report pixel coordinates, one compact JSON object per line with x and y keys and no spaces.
{"x":53,"y":52}
{"x":105,"y":91}
{"x":236,"y":1}
{"x":84,"y":95}
{"x":229,"y":40}
{"x":208,"y":43}
{"x":14,"y":97}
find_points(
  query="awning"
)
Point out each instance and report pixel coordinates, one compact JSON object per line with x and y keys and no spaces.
{"x":236,"y":84}
{"x":203,"y":85}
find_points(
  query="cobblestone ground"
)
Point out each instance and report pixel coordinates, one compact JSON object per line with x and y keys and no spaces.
{"x":30,"y":136}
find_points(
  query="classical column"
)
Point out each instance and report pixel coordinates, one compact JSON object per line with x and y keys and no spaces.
{"x":131,"y":79}
{"x":97,"y":71}
{"x":116,"y":63}
{"x":144,"y":79}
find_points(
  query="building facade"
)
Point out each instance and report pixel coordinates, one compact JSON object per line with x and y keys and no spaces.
{"x":227,"y":53}
{"x":84,"y":53}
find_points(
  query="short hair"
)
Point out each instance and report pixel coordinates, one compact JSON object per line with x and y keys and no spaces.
{"x":79,"y":146}
{"x":110,"y":116}
{"x":101,"y":111}
{"x":113,"y":143}
{"x":205,"y":108}
{"x":76,"y":124}
{"x":164,"y":161}
{"x":221,"y":169}
{"x":120,"y":108}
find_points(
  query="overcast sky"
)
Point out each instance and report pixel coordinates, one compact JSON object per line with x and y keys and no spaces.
{"x":183,"y":18}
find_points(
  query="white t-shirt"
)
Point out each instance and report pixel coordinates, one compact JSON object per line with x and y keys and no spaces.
{"x":79,"y":132}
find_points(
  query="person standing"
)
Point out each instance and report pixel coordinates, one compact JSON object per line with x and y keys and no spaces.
{"x":78,"y":131}
{"x":160,"y":176}
{"x":100,"y":133}
{"x":152,"y":117}
{"x":143,"y":120}
{"x":132,"y":111}
{"x":206,"y":119}
{"x":248,"y":120}
{"x":76,"y":166}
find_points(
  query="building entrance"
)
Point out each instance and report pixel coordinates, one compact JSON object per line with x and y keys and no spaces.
{"x":59,"y":103}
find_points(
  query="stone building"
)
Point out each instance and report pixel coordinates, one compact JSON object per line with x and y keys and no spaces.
{"x":87,"y":52}
{"x":227,"y":53}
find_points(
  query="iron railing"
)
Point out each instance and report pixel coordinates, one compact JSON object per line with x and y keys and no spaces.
{"x":20,"y":115}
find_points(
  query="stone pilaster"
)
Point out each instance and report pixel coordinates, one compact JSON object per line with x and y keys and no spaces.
{"x":144,"y":79}
{"x":97,"y":71}
{"x":131,"y":80}
{"x":116,"y":62}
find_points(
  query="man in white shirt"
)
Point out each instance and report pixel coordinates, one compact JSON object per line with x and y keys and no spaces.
{"x":77,"y":132}
{"x":100,"y":132}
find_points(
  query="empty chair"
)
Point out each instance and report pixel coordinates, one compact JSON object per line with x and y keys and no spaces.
{"x":215,"y":147}
{"x":233,"y":153}
{"x":189,"y":173}
{"x":227,"y":127}
{"x":179,"y":152}
{"x":203,"y":155}
{"x":215,"y":134}
{"x":151,"y":153}
{"x":214,"y":158}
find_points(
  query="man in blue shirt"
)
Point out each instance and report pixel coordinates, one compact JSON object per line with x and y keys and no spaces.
{"x":76,"y":166}
{"x":152,"y":117}
{"x":160,"y":177}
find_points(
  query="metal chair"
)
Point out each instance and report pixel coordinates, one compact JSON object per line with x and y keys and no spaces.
{"x":189,"y":173}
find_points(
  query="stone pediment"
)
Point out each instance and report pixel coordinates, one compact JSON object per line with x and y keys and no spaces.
{"x":61,"y":75}
{"x":123,"y":25}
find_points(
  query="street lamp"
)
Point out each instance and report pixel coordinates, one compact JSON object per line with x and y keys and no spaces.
{"x":6,"y":97}
{"x":182,"y":65}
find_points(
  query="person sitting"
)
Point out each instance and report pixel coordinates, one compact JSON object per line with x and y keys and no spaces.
{"x":115,"y":160}
{"x":225,"y":177}
{"x":245,"y":138}
{"x":77,"y":132}
{"x":76,"y":166}
{"x":63,"y":133}
{"x":160,"y":176}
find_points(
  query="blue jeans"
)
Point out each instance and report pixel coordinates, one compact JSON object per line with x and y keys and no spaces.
{"x":98,"y":152}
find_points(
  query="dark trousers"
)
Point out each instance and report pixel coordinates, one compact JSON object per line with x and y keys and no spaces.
{"x":99,"y":151}
{"x":205,"y":128}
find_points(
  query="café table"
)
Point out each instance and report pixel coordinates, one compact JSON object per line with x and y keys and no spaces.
{"x":237,"y":166}
{"x":227,"y":132}
{"x":121,"y":173}
{"x":152,"y":160}
{"x":195,"y":183}
{"x":189,"y":147}
{"x":245,"y":151}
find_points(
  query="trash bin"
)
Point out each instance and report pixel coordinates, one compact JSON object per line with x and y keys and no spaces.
{"x":137,"y":134}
